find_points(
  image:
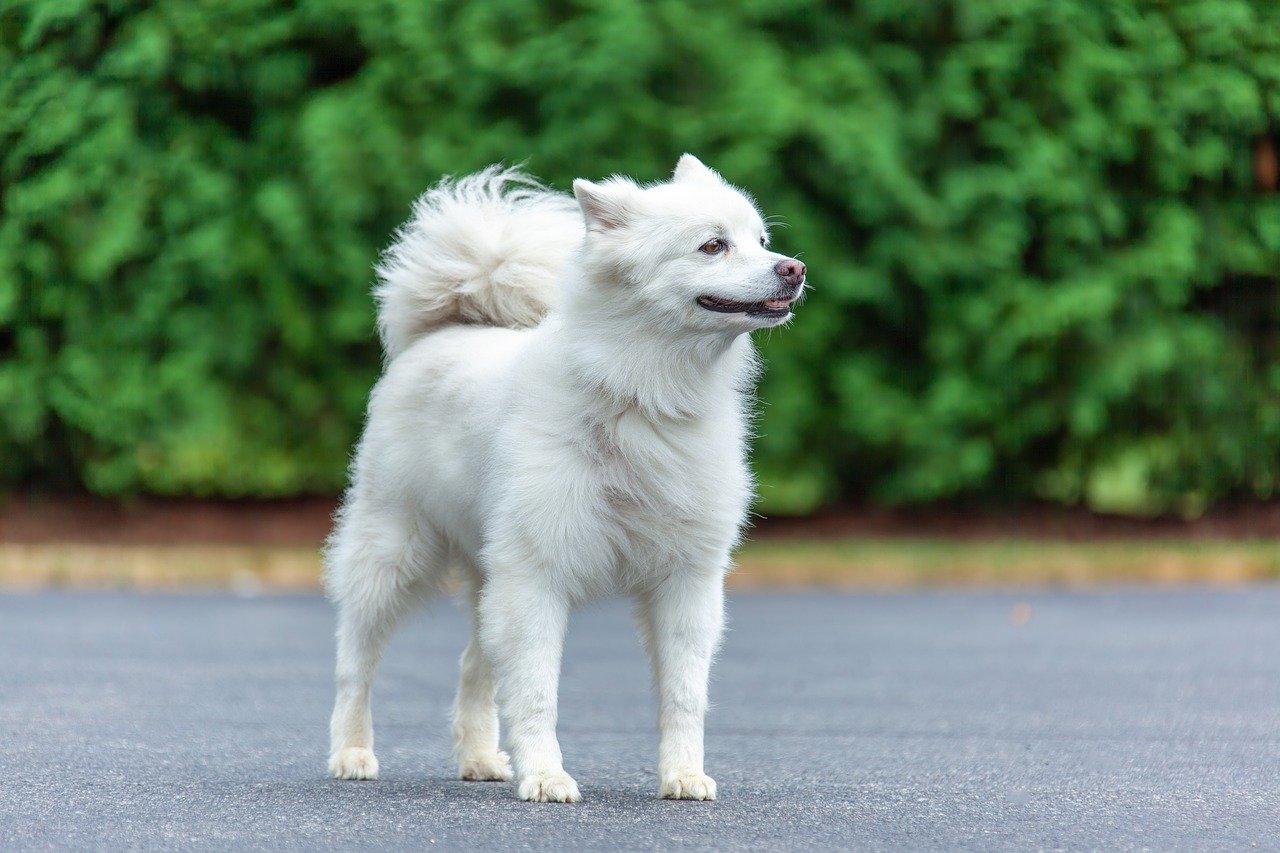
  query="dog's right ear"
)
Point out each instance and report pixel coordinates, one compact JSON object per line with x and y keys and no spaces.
{"x":606,"y":205}
{"x":690,"y":168}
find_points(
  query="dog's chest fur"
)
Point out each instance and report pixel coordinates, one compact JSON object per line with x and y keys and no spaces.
{"x":671,"y":486}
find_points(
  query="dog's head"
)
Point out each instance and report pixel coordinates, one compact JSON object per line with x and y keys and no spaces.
{"x":692,"y":251}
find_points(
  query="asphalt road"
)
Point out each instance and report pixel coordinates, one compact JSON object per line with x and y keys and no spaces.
{"x":1120,"y":720}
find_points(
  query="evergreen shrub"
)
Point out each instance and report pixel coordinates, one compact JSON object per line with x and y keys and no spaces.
{"x":1043,"y":235}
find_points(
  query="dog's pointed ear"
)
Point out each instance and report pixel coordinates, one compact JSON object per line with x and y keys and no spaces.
{"x":606,"y":205}
{"x":690,"y":168}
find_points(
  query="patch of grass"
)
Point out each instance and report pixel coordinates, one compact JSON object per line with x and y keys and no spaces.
{"x":872,"y":563}
{"x":244,"y":569}
{"x":911,"y":562}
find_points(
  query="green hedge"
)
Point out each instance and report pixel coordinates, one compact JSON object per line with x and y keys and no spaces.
{"x":1042,"y":266}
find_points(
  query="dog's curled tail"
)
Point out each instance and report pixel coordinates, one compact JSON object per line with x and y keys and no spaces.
{"x":486,"y":249}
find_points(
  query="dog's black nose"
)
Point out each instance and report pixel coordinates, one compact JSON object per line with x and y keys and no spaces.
{"x":790,"y":271}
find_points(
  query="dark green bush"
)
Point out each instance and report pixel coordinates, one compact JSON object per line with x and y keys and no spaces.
{"x":1042,"y":264}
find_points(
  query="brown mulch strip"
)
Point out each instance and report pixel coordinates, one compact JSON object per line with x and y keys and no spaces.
{"x":1253,"y":521}
{"x":306,"y":521}
{"x":165,"y":521}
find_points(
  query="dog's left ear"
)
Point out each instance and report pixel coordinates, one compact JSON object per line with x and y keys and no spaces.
{"x":606,"y":205}
{"x":690,"y":168}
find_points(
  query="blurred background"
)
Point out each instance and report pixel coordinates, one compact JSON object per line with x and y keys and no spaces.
{"x":1043,"y":235}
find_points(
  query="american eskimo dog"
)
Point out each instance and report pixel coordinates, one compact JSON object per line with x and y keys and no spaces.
{"x":563,"y":416}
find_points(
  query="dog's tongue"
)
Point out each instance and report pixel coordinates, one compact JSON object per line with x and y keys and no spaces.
{"x":776,"y":303}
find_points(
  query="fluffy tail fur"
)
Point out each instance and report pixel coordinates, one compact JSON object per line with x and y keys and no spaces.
{"x":485,"y":249}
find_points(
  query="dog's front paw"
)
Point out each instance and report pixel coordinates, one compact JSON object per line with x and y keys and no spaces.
{"x":688,"y":785}
{"x":354,"y":762}
{"x":549,"y":786}
{"x":494,"y":767}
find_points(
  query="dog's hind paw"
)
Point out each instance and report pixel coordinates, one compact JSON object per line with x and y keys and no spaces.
{"x":688,"y":786}
{"x":495,"y":767}
{"x":549,"y":786}
{"x":354,"y":762}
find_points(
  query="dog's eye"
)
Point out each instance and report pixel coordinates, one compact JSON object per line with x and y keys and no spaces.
{"x":713,"y":247}
{"x":764,"y":241}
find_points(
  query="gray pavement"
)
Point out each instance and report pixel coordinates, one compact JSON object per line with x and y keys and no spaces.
{"x":1118,"y":720}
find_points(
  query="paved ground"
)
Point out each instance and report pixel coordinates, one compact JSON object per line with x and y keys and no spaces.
{"x":906,"y":722}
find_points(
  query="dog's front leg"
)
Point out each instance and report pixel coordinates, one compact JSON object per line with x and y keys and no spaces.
{"x":681,"y":622}
{"x":522,"y":627}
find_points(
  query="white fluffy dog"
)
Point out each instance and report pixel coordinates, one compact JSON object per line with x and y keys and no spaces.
{"x":563,"y":416}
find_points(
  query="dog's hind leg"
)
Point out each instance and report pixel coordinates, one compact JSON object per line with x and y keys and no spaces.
{"x":372,"y":578}
{"x":475,"y":714}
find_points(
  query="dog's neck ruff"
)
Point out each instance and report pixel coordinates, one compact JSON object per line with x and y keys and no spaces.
{"x":662,"y":376}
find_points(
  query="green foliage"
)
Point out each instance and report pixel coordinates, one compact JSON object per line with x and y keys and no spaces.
{"x":1041,"y":266}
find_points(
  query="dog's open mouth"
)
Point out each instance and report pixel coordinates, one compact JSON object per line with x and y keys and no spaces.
{"x":766,"y":308}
